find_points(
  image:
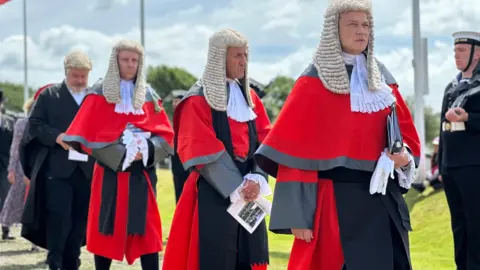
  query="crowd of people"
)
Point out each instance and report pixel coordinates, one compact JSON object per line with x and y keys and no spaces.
{"x":80,"y":169}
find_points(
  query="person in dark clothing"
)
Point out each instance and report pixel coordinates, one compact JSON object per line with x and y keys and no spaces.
{"x":258,"y":88}
{"x":55,"y":214}
{"x":433,"y":178}
{"x":180,"y":175}
{"x":459,"y":149}
{"x":6,"y":136}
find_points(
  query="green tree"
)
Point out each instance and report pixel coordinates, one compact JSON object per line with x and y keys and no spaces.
{"x":14,"y":95}
{"x":164,"y":79}
{"x":277,"y":92}
{"x":432,"y":120}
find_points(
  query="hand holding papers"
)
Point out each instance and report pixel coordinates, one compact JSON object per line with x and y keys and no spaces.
{"x":250,"y":214}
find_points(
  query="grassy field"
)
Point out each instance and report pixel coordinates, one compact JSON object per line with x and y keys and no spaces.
{"x":431,"y":244}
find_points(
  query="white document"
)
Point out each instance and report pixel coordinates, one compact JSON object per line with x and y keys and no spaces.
{"x":250,"y":214}
{"x":77,"y":156}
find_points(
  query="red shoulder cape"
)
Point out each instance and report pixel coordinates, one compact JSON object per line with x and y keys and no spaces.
{"x":97,"y":125}
{"x":197,"y":139}
{"x":317,"y":131}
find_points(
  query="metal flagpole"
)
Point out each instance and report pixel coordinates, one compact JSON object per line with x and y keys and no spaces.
{"x":142,"y":22}
{"x":26,"y":91}
{"x":419,"y":78}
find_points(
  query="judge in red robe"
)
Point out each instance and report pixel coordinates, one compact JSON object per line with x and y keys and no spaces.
{"x":218,"y":126}
{"x":122,"y":125}
{"x":325,"y":146}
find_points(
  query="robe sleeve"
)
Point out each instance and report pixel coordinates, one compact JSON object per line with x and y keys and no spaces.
{"x":198,"y":147}
{"x":111,"y":156}
{"x":263,"y":125}
{"x":159,"y":145}
{"x":409,"y":132}
{"x":295,"y":200}
{"x":411,"y":141}
{"x":38,"y":123}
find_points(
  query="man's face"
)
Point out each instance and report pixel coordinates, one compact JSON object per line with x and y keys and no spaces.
{"x":128,"y":64}
{"x":354,"y":32}
{"x":175,"y":102}
{"x":77,"y":79}
{"x":462,"y":55}
{"x":237,"y":59}
{"x":435,"y":148}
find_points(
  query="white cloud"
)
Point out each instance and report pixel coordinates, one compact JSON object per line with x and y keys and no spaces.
{"x":106,"y":4}
{"x":180,"y":37}
{"x":440,"y":17}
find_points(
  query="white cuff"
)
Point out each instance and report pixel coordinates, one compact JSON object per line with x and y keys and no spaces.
{"x":256,"y":178}
{"x":406,"y":175}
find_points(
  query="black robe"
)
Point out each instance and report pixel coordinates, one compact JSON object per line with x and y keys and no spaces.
{"x":6,"y":135}
{"x":59,"y":108}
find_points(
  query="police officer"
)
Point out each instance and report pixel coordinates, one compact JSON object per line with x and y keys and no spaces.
{"x":459,"y":151}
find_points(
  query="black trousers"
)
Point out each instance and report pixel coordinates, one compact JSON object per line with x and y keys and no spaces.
{"x":67,"y":202}
{"x":4,"y":188}
{"x":148,"y":261}
{"x":400,"y":259}
{"x":178,"y":182}
{"x":462,"y":187}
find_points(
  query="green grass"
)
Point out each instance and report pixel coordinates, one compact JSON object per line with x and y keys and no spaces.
{"x":431,"y":240}
{"x":280,"y":245}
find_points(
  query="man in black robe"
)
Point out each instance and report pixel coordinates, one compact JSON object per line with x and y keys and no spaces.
{"x":55,"y":215}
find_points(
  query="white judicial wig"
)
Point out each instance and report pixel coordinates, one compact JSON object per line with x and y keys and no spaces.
{"x":328,"y":58}
{"x":214,"y":80}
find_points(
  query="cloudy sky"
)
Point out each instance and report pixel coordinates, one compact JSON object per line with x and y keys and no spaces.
{"x":283,"y":35}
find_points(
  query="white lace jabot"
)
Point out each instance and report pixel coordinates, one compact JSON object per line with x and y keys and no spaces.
{"x":361,"y":99}
{"x":126,"y":105}
{"x":237,"y":107}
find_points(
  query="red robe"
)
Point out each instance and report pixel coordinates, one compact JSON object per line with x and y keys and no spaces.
{"x":316,"y":131}
{"x":97,"y":125}
{"x":196,"y":139}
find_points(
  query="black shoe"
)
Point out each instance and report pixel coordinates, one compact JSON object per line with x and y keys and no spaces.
{"x":420,"y":187}
{"x":6,"y":233}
